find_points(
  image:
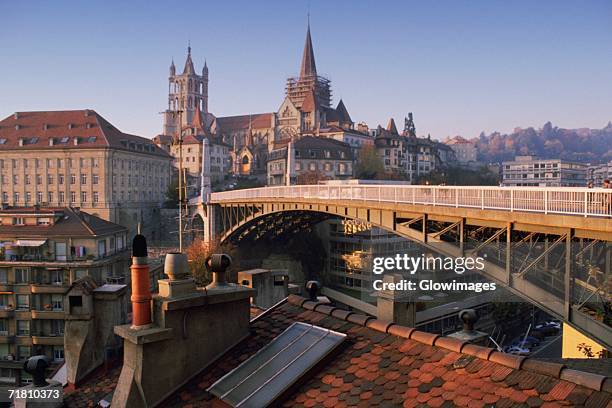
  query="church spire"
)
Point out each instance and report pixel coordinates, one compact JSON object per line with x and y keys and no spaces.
{"x":308,"y":60}
{"x":189,"y":69}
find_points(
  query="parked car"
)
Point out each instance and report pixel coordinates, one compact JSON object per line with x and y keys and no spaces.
{"x":520,"y":351}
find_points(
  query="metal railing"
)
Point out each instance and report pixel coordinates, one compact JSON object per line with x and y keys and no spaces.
{"x":549,"y":200}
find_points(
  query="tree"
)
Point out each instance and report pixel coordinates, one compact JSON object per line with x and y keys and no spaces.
{"x":369,"y":164}
{"x":311,"y":177}
{"x":172,"y":195}
{"x":197,"y":253}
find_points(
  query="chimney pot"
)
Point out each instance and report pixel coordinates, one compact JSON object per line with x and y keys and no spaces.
{"x":217,"y":264}
{"x":469,"y":318}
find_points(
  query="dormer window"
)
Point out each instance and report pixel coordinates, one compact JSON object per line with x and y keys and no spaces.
{"x":18,"y":221}
{"x":33,"y":140}
{"x":64,"y":139}
{"x":2,"y":141}
{"x":91,"y":139}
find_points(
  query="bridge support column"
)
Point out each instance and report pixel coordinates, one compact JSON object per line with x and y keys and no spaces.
{"x":209,"y":214}
{"x":395,"y":306}
{"x":567,"y":309}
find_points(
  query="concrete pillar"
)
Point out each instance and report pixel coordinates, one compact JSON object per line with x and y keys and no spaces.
{"x":395,"y":306}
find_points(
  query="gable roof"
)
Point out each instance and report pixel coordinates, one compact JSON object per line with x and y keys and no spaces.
{"x":391,"y":127}
{"x":62,"y":129}
{"x":69,"y":223}
{"x":343,"y":112}
{"x":229,"y":124}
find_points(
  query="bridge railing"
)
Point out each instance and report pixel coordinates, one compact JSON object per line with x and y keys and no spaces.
{"x":560,"y":200}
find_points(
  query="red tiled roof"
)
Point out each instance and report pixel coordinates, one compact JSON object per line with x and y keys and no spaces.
{"x":383,"y":364}
{"x":256,"y":120}
{"x":85,"y":126}
{"x":71,"y":223}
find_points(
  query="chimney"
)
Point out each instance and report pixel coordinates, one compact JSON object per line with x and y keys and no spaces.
{"x":141,"y":286}
{"x":16,"y":115}
{"x":75,"y":140}
{"x":469,"y":317}
{"x":193,"y":327}
{"x":51,"y":141}
{"x":20,"y":140}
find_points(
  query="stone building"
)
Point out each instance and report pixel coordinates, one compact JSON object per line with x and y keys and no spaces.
{"x":531,"y":171}
{"x":43,"y":251}
{"x":78,"y":159}
{"x":465,"y":150}
{"x":310,"y":159}
{"x":187,"y":92}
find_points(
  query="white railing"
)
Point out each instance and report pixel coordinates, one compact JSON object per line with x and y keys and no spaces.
{"x":558,"y":200}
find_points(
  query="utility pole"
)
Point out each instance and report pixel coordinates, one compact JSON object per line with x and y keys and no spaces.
{"x":180,"y":181}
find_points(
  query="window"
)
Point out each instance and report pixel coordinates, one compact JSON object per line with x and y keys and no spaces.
{"x":39,"y":197}
{"x":73,"y":197}
{"x":23,"y":302}
{"x":57,"y":302}
{"x":58,"y":353}
{"x":23,"y":352}
{"x":38,"y":179}
{"x":49,"y":197}
{"x":15,"y":198}
{"x":18,"y":221}
{"x":57,"y":276}
{"x":75,"y":301}
{"x":27,"y":179}
{"x":28,"y":197}
{"x":96,"y":197}
{"x":5,"y":302}
{"x":49,"y":179}
{"x":60,"y":179}
{"x":101,"y":248}
{"x":60,"y":197}
{"x":5,"y":197}
{"x":72,"y":179}
{"x":57,"y":327}
{"x":83,"y":196}
{"x":94,"y":179}
{"x":23,"y":327}
{"x":15,"y":179}
{"x":4,"y":327}
{"x":83,"y":179}
{"x":3,"y":275}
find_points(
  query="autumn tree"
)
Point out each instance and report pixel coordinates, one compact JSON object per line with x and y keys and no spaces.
{"x":369,"y":164}
{"x":197,"y":253}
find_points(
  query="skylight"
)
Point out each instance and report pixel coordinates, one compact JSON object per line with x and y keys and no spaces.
{"x":263,"y":378}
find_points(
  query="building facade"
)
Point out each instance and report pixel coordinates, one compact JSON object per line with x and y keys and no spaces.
{"x":43,"y":251}
{"x":531,"y":171}
{"x":309,"y":160}
{"x":78,"y":159}
{"x":465,"y":151}
{"x":597,"y":174}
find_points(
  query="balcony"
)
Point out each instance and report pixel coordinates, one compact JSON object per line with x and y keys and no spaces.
{"x":6,"y":312}
{"x":48,"y":314}
{"x":6,"y":338}
{"x":48,"y":339}
{"x":54,"y":288}
{"x":6,"y":287}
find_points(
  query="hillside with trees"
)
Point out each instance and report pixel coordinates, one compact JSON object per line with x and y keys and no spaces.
{"x":582,"y":145}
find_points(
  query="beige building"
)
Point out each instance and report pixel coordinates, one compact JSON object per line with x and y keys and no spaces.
{"x":43,"y":251}
{"x":531,"y":171}
{"x":78,"y":159}
{"x":465,"y":150}
{"x":311,"y":159}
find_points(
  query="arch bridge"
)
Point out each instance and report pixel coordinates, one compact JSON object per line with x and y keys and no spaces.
{"x":550,"y":246}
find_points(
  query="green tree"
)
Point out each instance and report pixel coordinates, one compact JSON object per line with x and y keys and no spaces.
{"x":172,"y":195}
{"x":369,"y":164}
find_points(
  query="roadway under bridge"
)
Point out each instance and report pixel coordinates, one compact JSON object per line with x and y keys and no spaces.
{"x":550,"y":246}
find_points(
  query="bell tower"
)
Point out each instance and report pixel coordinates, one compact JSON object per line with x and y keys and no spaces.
{"x":187,"y":92}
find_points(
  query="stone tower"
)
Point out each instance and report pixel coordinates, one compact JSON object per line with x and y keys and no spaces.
{"x":186,"y":92}
{"x":298,"y":88}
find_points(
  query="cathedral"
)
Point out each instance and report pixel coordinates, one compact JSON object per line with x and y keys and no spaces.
{"x":305,"y":111}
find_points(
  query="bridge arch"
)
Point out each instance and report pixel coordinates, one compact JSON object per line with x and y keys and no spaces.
{"x":430,"y":225}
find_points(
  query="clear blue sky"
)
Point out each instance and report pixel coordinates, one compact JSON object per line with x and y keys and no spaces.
{"x":461,"y":67}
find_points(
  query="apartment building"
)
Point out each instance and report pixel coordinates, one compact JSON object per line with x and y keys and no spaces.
{"x":310,"y":159}
{"x":78,"y":159}
{"x":465,"y":150}
{"x":531,"y":171}
{"x":43,"y":251}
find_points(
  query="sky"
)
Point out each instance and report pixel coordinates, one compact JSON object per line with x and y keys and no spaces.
{"x":461,"y":67}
